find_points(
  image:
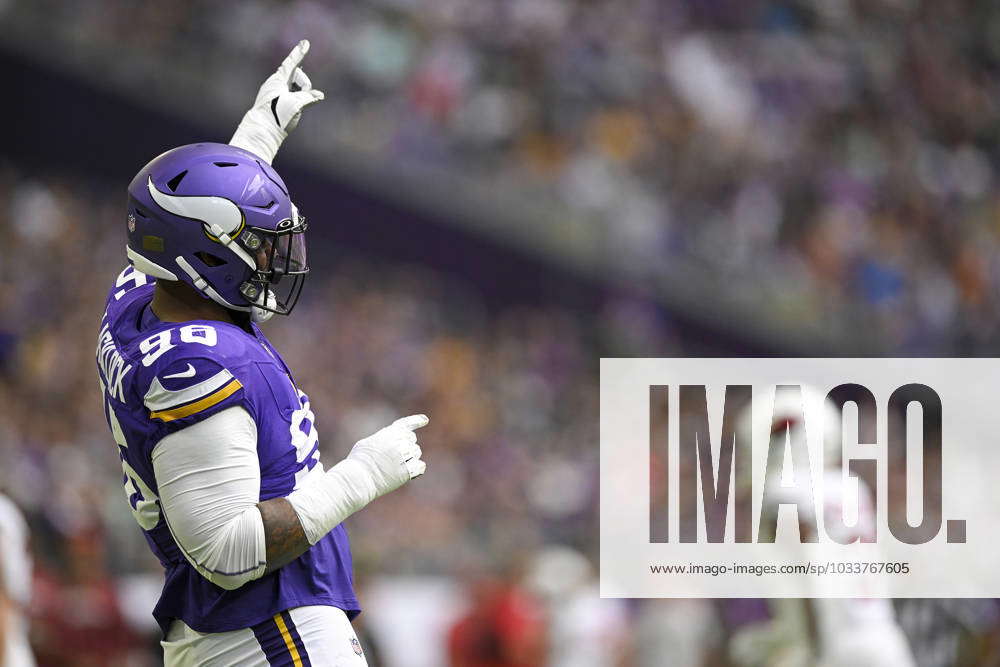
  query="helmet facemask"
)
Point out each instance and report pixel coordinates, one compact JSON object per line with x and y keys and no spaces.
{"x":280,"y":254}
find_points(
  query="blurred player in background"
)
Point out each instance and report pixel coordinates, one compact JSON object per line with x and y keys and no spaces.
{"x":503,"y":627}
{"x":219,"y":447}
{"x":584,"y":629}
{"x":825,"y":631}
{"x":15,"y":587}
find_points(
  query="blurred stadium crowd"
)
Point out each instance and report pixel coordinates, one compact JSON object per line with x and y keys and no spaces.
{"x":837,"y":157}
{"x":497,"y":564}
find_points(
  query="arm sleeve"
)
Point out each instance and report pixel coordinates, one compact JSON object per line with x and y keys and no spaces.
{"x":208,"y":476}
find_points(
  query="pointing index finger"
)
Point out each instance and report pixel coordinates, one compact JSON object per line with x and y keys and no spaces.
{"x":287,"y":68}
{"x":412,"y":422}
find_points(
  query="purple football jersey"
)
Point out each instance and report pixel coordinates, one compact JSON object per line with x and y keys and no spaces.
{"x":158,"y":377}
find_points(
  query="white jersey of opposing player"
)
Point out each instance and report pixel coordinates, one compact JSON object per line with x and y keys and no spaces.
{"x":850,"y":632}
{"x":587,"y":631}
{"x":857,"y":632}
{"x":15,"y":581}
{"x":584,"y":630}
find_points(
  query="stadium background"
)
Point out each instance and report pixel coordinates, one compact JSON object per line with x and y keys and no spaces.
{"x":500,"y":192}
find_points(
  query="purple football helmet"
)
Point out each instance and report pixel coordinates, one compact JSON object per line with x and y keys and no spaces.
{"x":220,"y":219}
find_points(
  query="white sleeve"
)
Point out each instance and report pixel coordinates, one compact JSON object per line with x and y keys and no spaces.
{"x":208,"y":476}
{"x":15,"y":562}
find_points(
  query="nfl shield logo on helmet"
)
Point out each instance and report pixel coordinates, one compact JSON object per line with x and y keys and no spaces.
{"x":131,"y":222}
{"x":356,"y":645}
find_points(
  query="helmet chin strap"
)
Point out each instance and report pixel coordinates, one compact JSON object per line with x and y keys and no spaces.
{"x":203,"y":286}
{"x":258,"y":315}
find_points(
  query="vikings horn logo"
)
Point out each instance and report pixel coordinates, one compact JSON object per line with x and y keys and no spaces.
{"x":222,"y":218}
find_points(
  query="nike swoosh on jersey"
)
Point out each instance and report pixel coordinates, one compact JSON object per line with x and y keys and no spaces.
{"x":183,"y":374}
{"x":160,"y":399}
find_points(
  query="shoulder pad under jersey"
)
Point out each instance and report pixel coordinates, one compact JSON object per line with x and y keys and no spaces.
{"x":188,"y":371}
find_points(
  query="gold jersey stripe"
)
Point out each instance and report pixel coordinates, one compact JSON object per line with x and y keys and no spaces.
{"x":197,"y":406}
{"x":289,"y":644}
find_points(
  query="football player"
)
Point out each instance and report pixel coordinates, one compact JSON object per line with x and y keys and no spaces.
{"x":218,"y":444}
{"x":826,"y":631}
{"x":15,"y":587}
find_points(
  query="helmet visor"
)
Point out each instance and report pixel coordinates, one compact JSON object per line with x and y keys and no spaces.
{"x":290,"y":253}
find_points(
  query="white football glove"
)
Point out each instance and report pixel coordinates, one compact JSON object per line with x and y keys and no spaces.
{"x":377,"y":465}
{"x":392,"y":454}
{"x":278,"y":107}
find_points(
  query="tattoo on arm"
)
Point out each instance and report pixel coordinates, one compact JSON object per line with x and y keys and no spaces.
{"x":283,"y":534}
